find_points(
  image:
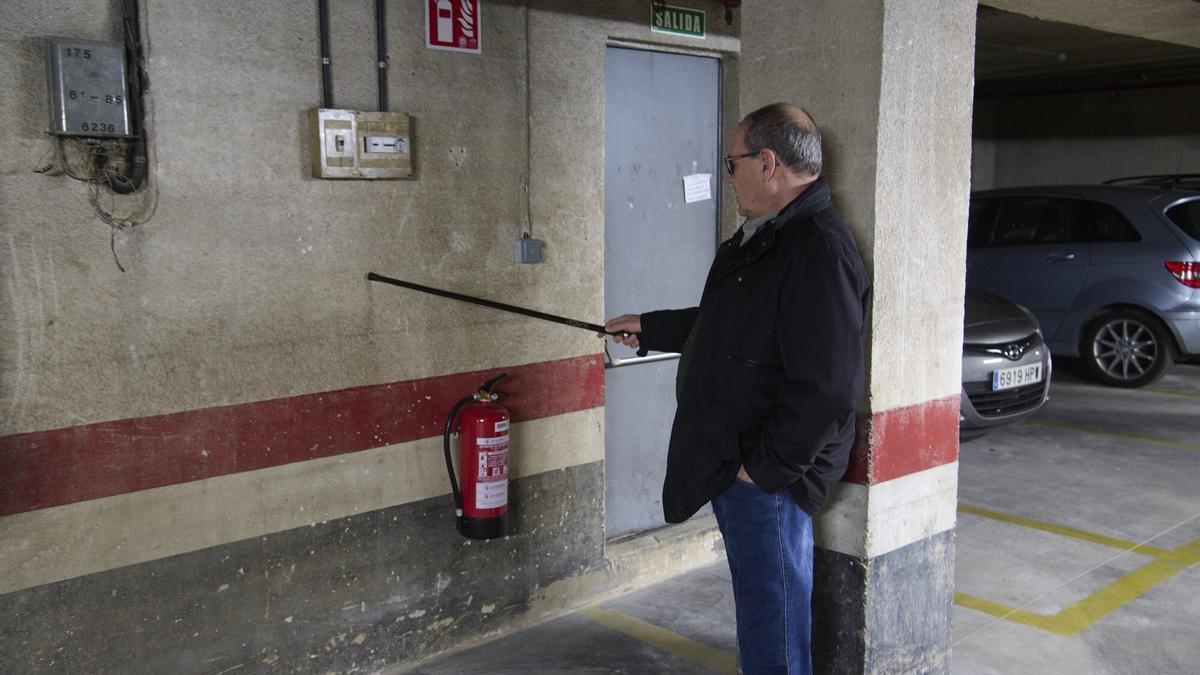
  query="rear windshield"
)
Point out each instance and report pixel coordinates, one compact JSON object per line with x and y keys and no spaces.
{"x":1187,"y":217}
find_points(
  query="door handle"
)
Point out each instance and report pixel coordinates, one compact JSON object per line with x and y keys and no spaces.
{"x":611,"y":361}
{"x":1060,"y":257}
{"x":615,"y":362}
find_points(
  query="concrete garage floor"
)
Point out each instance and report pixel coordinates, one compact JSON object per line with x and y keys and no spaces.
{"x":1078,"y":551}
{"x":1079,"y":534}
{"x":683,"y":625}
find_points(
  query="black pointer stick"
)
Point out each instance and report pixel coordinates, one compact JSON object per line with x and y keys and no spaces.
{"x":371,"y":276}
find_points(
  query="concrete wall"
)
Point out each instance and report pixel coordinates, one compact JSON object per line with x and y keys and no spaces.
{"x":239,"y":423}
{"x":1086,"y":137}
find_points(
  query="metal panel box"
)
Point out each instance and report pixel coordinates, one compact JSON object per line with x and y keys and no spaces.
{"x":353,"y":144}
{"x":87,"y":87}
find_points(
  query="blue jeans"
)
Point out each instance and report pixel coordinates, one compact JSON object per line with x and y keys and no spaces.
{"x":769,"y":545}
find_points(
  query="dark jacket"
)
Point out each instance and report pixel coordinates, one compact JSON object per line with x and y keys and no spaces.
{"x":773,"y":369}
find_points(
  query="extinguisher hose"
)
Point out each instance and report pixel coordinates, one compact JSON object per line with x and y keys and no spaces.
{"x":458,"y":507}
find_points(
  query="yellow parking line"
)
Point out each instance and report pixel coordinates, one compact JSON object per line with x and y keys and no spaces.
{"x":1005,"y":612}
{"x":1076,"y":617}
{"x":1061,"y":529}
{"x":1115,"y":434}
{"x":685,"y":648}
{"x":1173,"y":392}
{"x":1064,"y":378}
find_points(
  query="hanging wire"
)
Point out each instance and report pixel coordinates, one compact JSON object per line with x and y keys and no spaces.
{"x":101,"y":169}
{"x":62,"y":162}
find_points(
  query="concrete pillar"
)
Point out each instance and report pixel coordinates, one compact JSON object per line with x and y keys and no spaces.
{"x":890,"y":84}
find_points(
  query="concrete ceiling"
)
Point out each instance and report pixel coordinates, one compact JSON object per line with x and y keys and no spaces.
{"x":1174,"y":21}
{"x":1018,"y":55}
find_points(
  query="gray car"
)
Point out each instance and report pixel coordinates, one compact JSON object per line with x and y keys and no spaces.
{"x":1005,"y":365}
{"x":1112,"y":272}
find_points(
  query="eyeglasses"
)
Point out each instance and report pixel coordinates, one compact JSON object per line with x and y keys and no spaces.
{"x":730,"y":159}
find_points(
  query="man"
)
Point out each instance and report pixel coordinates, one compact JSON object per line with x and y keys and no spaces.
{"x":770,"y":374}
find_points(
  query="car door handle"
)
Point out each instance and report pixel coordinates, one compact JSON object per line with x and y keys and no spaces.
{"x":1060,"y":257}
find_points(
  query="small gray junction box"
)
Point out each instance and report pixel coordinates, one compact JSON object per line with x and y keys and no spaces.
{"x":528,"y":250}
{"x":87,"y":88}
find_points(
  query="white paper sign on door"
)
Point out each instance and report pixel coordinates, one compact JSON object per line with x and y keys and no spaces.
{"x":696,"y":187}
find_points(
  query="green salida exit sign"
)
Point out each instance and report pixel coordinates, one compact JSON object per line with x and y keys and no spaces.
{"x":676,"y":20}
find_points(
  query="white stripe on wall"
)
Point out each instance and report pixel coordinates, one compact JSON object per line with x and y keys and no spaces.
{"x":869,"y":521}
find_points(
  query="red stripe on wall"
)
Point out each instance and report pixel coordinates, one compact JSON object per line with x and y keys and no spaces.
{"x":897,"y":442}
{"x":61,"y":466}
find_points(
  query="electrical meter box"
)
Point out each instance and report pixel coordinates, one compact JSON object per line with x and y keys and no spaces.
{"x":87,"y":88}
{"x":364,"y":145}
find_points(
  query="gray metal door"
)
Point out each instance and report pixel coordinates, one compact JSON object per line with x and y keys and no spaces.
{"x":661,"y":134}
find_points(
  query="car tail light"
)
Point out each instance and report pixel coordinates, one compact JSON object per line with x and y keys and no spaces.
{"x":1188,"y":273}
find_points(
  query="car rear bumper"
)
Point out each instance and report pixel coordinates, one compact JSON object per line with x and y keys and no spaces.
{"x":1186,"y":327}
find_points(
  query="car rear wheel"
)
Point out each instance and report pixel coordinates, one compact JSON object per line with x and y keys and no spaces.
{"x":1127,"y":348}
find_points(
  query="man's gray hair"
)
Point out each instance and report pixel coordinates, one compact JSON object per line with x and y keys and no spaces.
{"x":795,"y":138}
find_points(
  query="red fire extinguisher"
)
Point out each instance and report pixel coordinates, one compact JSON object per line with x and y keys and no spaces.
{"x":482,"y":505}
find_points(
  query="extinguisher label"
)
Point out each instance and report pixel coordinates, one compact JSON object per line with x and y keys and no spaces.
{"x":491,"y":495}
{"x":502,"y":425}
{"x":491,"y":486}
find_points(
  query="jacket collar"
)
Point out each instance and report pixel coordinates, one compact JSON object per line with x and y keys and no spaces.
{"x":813,"y":200}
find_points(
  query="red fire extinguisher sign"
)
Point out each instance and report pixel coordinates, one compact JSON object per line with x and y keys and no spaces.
{"x":453,"y":25}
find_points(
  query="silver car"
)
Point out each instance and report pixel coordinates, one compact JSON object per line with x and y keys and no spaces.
{"x":1112,"y":272}
{"x":1005,"y":365}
